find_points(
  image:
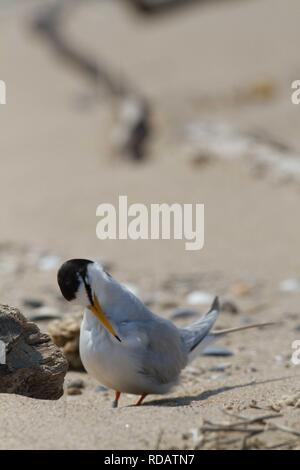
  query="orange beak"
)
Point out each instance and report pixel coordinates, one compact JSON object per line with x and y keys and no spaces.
{"x":96,"y":309}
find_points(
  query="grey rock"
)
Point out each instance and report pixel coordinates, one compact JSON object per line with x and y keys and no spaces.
{"x":101,"y":388}
{"x":76,"y":383}
{"x":33,"y":365}
{"x":183,"y":314}
{"x":218,"y":351}
{"x":45,"y":314}
{"x":219,"y":368}
{"x":230,"y":307}
{"x":74,"y":391}
{"x":33,"y":303}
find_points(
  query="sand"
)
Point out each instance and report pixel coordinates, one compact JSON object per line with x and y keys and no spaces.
{"x":57,"y":167}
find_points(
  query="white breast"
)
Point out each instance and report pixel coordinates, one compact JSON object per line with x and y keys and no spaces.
{"x":112,"y":363}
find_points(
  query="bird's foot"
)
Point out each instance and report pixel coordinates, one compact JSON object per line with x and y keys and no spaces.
{"x":115,"y":403}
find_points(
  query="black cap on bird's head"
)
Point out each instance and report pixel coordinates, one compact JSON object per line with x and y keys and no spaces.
{"x":78,"y":279}
{"x":70,"y":277}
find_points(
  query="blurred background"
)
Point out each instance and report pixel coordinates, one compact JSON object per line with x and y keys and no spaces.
{"x":162,"y":101}
{"x":194,"y":74}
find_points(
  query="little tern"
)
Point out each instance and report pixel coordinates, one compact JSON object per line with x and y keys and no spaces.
{"x":123,"y":344}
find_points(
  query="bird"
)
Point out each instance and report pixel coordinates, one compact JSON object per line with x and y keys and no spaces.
{"x":123,"y":344}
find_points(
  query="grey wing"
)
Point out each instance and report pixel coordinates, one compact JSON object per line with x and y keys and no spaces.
{"x":165,"y":356}
{"x":160,"y":352}
{"x":194,"y":334}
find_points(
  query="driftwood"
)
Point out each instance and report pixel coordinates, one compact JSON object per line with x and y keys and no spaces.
{"x":133,"y":110}
{"x":31,"y":364}
{"x":212,"y":434}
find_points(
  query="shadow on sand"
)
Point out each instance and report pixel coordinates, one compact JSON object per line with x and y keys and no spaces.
{"x":187,"y":400}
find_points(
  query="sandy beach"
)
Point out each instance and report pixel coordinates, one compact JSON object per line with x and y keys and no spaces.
{"x":230,"y":63}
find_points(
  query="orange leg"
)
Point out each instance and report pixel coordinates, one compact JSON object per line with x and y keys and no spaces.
{"x":140,"y":401}
{"x":116,"y":400}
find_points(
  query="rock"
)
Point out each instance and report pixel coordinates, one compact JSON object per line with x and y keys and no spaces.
{"x":183,"y":314}
{"x":33,"y":303}
{"x":199,"y":298}
{"x":163,"y":299}
{"x":261,"y":90}
{"x":65,"y":334}
{"x":101,"y":389}
{"x":34,"y":366}
{"x":74,"y":391}
{"x":218,"y":351}
{"x":48,"y":263}
{"x":286,"y":400}
{"x":239,"y":289}
{"x":44,"y":314}
{"x":229,"y":306}
{"x":289,"y":285}
{"x":219,"y":368}
{"x":76,"y":383}
{"x":75,"y":387}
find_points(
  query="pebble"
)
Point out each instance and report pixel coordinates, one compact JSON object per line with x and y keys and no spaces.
{"x":44,"y":314}
{"x":261,"y":90}
{"x":74,"y":391}
{"x":219,"y":368}
{"x":199,"y":298}
{"x":76,"y":383}
{"x":101,"y":388}
{"x":239,"y":289}
{"x":33,"y":303}
{"x":229,"y":306}
{"x":193,"y":371}
{"x":286,"y":400}
{"x":290,"y":285}
{"x":48,"y":263}
{"x":165,"y":300}
{"x":218,"y":351}
{"x":183,"y":313}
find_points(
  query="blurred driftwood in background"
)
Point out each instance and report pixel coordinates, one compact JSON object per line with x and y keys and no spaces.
{"x":157,"y":6}
{"x":132,"y":128}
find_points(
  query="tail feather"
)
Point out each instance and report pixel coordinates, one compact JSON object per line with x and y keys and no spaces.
{"x":199,"y":335}
{"x":193,"y":334}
